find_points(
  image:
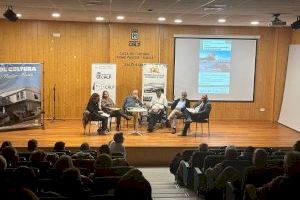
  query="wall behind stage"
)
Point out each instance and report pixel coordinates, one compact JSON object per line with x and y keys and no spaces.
{"x":67,"y":60}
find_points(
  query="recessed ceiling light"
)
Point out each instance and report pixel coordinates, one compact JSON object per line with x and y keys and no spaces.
{"x":255,"y":22}
{"x":19,"y":15}
{"x":161,"y":19}
{"x":99,"y":18}
{"x":56,"y":15}
{"x":221,"y":20}
{"x":120,"y":17}
{"x":178,"y":21}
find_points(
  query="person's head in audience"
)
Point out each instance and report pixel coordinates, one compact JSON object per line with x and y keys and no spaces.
{"x":118,"y":162}
{"x":203,"y":147}
{"x":105,"y":94}
{"x":231,"y":153}
{"x":292,"y":163}
{"x":183,"y":95}
{"x":24,"y":177}
{"x":248,"y":152}
{"x":3,"y":164}
{"x":32,"y":145}
{"x":11,"y":156}
{"x":95,"y":98}
{"x":103,"y":161}
{"x":38,"y":156}
{"x":63,"y":163}
{"x":59,"y":146}
{"x":71,"y":183}
{"x":296,"y":146}
{"x":52,"y":158}
{"x":104,"y":149}
{"x":133,"y":185}
{"x":135,"y":94}
{"x":5,"y":144}
{"x":22,"y":194}
{"x":260,"y":157}
{"x":84,"y":147}
{"x":119,"y":138}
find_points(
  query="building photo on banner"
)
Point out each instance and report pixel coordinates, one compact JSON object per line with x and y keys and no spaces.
{"x":154,"y":78}
{"x":20,"y":95}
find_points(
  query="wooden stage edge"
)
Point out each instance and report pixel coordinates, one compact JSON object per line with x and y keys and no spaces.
{"x":158,"y":148}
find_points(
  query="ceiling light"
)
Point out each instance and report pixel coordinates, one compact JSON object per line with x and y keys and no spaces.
{"x":19,"y":15}
{"x":10,"y":14}
{"x":221,"y":20}
{"x":56,"y":15}
{"x":120,"y":17}
{"x":178,"y":21}
{"x":255,"y":22}
{"x":161,"y":19}
{"x":99,"y":18}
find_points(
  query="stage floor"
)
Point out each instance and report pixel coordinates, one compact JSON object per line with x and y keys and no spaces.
{"x":239,"y":133}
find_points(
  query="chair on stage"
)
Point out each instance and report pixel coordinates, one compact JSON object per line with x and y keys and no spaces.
{"x":87,"y":122}
{"x":202,"y":121}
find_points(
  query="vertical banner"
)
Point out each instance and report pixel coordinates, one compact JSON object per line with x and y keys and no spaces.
{"x":154,"y":77}
{"x":20,"y":95}
{"x":104,"y":78}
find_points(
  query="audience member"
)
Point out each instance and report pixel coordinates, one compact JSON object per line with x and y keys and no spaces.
{"x":24,"y":177}
{"x":82,"y":154}
{"x":296,"y":146}
{"x":132,"y":101}
{"x":71,"y":184}
{"x":22,"y":194}
{"x":32,"y":145}
{"x":5,"y":144}
{"x":59,"y":146}
{"x":103,"y":161}
{"x":282,"y":187}
{"x":11,"y":156}
{"x":133,"y":185}
{"x":104,"y":149}
{"x":247,"y":154}
{"x":64,"y":162}
{"x":38,"y":156}
{"x":116,"y":145}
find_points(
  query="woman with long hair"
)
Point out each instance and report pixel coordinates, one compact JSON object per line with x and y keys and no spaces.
{"x":108,"y":106}
{"x":95,"y":112}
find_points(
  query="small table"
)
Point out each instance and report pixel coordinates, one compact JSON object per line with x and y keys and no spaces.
{"x":136,"y":113}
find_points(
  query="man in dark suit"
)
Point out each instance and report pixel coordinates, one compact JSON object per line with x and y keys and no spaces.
{"x":202,"y":110}
{"x":177,"y":107}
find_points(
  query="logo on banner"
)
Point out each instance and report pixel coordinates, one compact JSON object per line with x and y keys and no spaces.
{"x":154,"y":70}
{"x":134,"y":36}
{"x":103,"y":76}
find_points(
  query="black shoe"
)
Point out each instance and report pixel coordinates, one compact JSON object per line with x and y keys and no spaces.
{"x":150,"y":130}
{"x":173,"y":130}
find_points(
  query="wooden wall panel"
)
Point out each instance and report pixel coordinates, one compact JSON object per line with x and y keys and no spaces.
{"x":67,"y":60}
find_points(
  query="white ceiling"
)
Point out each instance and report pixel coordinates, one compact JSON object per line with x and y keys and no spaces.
{"x":192,"y":12}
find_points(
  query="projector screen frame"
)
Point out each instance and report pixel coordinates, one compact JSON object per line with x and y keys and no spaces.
{"x":236,"y":37}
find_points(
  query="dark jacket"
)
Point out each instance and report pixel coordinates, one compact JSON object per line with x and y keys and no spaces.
{"x":205,"y":110}
{"x":174,"y":103}
{"x":93,"y":108}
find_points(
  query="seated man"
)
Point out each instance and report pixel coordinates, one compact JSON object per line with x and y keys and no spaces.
{"x":157,"y":107}
{"x":202,"y":110}
{"x":177,"y":107}
{"x":132,"y":101}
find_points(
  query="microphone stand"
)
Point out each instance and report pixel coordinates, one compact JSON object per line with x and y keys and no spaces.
{"x":54,"y":93}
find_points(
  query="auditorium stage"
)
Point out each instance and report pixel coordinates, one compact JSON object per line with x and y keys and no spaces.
{"x":161,"y":142}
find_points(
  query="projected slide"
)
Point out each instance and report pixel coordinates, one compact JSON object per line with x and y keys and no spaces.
{"x":214,"y":66}
{"x":222,"y":68}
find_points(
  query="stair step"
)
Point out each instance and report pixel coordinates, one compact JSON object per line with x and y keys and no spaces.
{"x":172,"y":195}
